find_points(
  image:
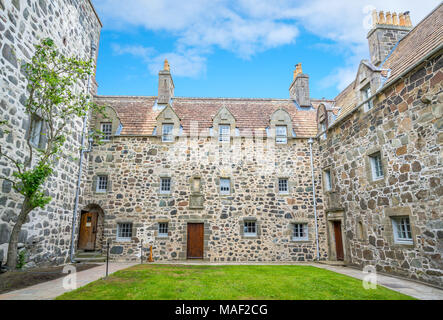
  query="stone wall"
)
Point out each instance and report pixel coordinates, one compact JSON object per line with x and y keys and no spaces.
{"x":134,"y":166}
{"x":72,"y":24}
{"x":405,"y":125}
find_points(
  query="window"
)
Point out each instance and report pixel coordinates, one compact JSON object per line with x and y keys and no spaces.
{"x":36,"y":133}
{"x":360,"y":232}
{"x":196,"y":184}
{"x":376,"y":166}
{"x":402,"y":230}
{"x":300,"y":232}
{"x":323,"y":129}
{"x":249,"y":228}
{"x":366,"y":92}
{"x":283,"y":185}
{"x":165,"y":185}
{"x":225,"y":186}
{"x":328,"y":182}
{"x":102,"y":183}
{"x":106,"y":128}
{"x":281,"y":135}
{"x":167,"y":133}
{"x":124,"y":231}
{"x":224,"y":132}
{"x":163,"y":229}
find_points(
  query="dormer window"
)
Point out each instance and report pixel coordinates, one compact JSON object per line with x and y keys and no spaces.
{"x":323,"y":129}
{"x":366,"y":93}
{"x":224,"y":133}
{"x":281,"y":134}
{"x":167,"y":132}
{"x":106,"y":128}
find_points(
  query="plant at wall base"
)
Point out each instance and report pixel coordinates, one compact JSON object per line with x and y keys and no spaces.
{"x":56,"y":97}
{"x":21,"y":259}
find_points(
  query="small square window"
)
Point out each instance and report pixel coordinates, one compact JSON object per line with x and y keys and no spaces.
{"x":283,"y":185}
{"x":225,"y":186}
{"x":163,"y":229}
{"x":102,"y":183}
{"x":124,"y":231}
{"x":281,"y":135}
{"x":402,"y":230}
{"x":106,"y":128}
{"x":167,"y":133}
{"x":165,"y":185}
{"x":328,"y":182}
{"x":300,"y":232}
{"x":224,"y":133}
{"x":250,"y":228}
{"x":376,"y":166}
{"x":36,"y":132}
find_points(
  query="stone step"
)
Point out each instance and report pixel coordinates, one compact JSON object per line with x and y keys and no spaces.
{"x":333,"y":263}
{"x":88,"y":253}
{"x":91,"y":259}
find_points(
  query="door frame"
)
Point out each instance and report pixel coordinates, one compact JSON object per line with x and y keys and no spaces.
{"x":84,"y":212}
{"x":203,"y":239}
{"x":338,"y":216}
{"x":184,"y":242}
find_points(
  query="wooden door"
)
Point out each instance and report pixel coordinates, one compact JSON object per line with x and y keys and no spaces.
{"x":88,"y":231}
{"x":338,"y":241}
{"x":195,"y":241}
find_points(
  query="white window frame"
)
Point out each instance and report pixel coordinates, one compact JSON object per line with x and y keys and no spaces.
{"x":167,"y":132}
{"x":164,"y":179}
{"x":281,"y":184}
{"x":225,"y":183}
{"x":402,"y":230}
{"x":224,"y":133}
{"x":162,"y":228}
{"x":376,"y":166}
{"x":323,"y":129}
{"x":106,"y":129}
{"x":328,"y":180}
{"x":300,"y":232}
{"x":126,"y":226}
{"x":280,"y":137}
{"x":366,"y":94}
{"x":101,"y":184}
{"x":247,"y":224}
{"x":36,"y":133}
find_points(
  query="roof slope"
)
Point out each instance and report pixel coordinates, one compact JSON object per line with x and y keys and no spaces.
{"x":138,"y":114}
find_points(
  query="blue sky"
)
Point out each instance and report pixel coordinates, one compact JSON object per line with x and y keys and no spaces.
{"x":242,"y":48}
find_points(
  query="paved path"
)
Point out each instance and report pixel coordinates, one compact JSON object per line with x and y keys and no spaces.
{"x":52,"y":289}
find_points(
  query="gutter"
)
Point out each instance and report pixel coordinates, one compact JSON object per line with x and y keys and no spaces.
{"x":310,"y":142}
{"x":388,"y":84}
{"x":80,"y":166}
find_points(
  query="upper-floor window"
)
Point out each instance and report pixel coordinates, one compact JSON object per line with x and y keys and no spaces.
{"x":281,"y":134}
{"x":225,"y":186}
{"x":163,"y":229}
{"x":167,"y":132}
{"x":165,"y":185}
{"x":283,"y":185}
{"x":323,"y":129}
{"x":250,"y":228}
{"x":102,"y":183}
{"x":124,"y":231}
{"x":300,"y":232}
{"x":376,"y":166}
{"x":402,"y":230}
{"x":366,"y":92}
{"x":106,"y":128}
{"x":224,"y":133}
{"x":328,"y":181}
{"x":36,"y":132}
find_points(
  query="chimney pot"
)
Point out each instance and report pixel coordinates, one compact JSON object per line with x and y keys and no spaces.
{"x":374,"y":18}
{"x":381,"y":19}
{"x":394,"y":19}
{"x":408,"y":22}
{"x":401,"y":17}
{"x":388,"y":18}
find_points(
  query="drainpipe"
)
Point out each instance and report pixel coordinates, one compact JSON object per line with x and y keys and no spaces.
{"x":80,"y":166}
{"x":310,"y":142}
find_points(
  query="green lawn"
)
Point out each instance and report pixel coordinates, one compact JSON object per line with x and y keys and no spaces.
{"x":175,"y":282}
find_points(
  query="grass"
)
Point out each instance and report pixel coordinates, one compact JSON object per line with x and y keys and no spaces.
{"x":197,"y":282}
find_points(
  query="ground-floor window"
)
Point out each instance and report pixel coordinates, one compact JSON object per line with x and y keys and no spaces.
{"x":402,"y":230}
{"x":300,"y":232}
{"x":250,"y":228}
{"x":163,"y":229}
{"x":124,"y":231}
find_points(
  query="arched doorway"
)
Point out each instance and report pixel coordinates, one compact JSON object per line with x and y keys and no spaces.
{"x":90,"y":236}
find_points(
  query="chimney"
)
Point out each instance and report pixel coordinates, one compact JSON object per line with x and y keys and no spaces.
{"x":387,"y":30}
{"x":299,"y":89}
{"x":165,"y":85}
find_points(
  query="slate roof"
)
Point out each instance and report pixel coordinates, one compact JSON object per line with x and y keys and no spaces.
{"x":138,"y":114}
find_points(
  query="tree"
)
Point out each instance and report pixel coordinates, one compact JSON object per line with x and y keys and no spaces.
{"x":55,"y":97}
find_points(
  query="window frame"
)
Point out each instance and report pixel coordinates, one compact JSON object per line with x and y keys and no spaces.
{"x":366,"y":91}
{"x":224,"y":137}
{"x":36,"y":132}
{"x":99,"y":183}
{"x":327,"y":179}
{"x":170,"y":134}
{"x":106,"y":137}
{"x":246,"y":225}
{"x":287,"y":186}
{"x":280,"y":138}
{"x":161,"y":227}
{"x":304,"y":230}
{"x":162,"y":191}
{"x":224,"y":192}
{"x":396,"y":222}
{"x":127,"y":229}
{"x":376,"y":163}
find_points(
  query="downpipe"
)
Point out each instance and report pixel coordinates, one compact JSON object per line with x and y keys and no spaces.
{"x":80,"y":166}
{"x":310,"y":142}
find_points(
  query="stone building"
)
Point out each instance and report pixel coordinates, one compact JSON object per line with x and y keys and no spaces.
{"x":75,"y":27}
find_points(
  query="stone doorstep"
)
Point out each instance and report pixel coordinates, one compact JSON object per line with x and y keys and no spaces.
{"x":333,"y":263}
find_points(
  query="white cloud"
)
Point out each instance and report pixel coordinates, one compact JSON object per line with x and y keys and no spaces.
{"x":246,"y":27}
